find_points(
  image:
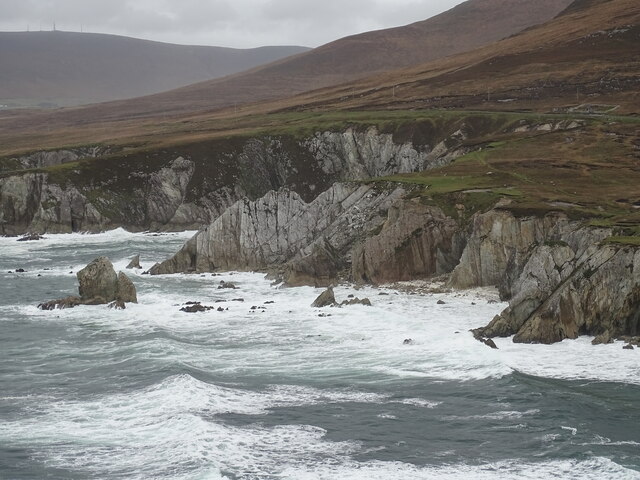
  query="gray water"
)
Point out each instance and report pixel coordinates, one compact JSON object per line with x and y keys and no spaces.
{"x":279,"y":392}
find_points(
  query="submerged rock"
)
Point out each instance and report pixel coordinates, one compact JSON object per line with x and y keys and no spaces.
{"x":31,"y":238}
{"x":117,"y":305}
{"x":68,"y":302}
{"x":196,"y":308}
{"x":325,"y":299}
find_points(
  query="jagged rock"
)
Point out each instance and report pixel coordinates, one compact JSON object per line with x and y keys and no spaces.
{"x":499,"y":247}
{"x":100,"y":284}
{"x":325,"y":299}
{"x":68,"y":302}
{"x":318,"y":269}
{"x":134,"y":263}
{"x":281,"y":227}
{"x":407,"y":341}
{"x":490,"y":343}
{"x":415,"y":241}
{"x":227,"y":285}
{"x":356,"y":301}
{"x":603,"y":338}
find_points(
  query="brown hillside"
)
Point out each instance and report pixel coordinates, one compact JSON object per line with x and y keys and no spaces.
{"x":465,"y":27}
{"x":587,"y":55}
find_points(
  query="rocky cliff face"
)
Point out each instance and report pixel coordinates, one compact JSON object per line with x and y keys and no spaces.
{"x":281,"y":228}
{"x":561,"y":278}
{"x":67,"y":191}
{"x":416,"y":241}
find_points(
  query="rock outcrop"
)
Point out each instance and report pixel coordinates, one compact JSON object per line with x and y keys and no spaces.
{"x":325,"y":299}
{"x":195,"y":186}
{"x":98,"y":280}
{"x":98,"y":285}
{"x":416,"y":241}
{"x":281,"y":227}
{"x":561,"y":279}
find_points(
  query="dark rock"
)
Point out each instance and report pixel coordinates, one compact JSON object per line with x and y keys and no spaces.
{"x":602,"y":339}
{"x":220,"y":309}
{"x":628,"y":347}
{"x":20,"y":270}
{"x":407,"y":341}
{"x":30,"y":238}
{"x":325,"y":315}
{"x":228,"y":285}
{"x":357,"y":301}
{"x":238,"y":300}
{"x":490,"y":343}
{"x":117,"y":305}
{"x":134,"y":263}
{"x":383,"y":293}
{"x":325,"y":299}
{"x":68,"y":302}
{"x":270,"y":302}
{"x":441,"y":302}
{"x":350,"y":296}
{"x":196,"y":308}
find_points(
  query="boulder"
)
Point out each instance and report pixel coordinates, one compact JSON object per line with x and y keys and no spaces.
{"x":325,"y":299}
{"x":99,"y":284}
{"x":134,"y":263}
{"x":98,"y":279}
{"x":227,"y":285}
{"x":628,"y":347}
{"x":602,"y":339}
{"x":126,"y":291}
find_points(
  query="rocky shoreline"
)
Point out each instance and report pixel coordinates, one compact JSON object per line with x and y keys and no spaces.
{"x":561,"y":277}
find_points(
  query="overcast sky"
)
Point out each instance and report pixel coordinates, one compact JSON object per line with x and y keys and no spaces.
{"x":228,"y":23}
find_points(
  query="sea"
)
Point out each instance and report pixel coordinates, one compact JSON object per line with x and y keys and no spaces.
{"x":264,"y":386}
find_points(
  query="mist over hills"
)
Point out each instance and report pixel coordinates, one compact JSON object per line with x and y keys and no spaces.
{"x":51,"y":69}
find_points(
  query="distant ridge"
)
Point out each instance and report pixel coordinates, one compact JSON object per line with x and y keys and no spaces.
{"x":469,"y":25}
{"x":65,"y":68}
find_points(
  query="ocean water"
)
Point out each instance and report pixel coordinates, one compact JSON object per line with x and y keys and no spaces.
{"x":280,"y":392}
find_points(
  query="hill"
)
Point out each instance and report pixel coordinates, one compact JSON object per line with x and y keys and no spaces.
{"x":585,"y":60}
{"x":467,"y":26}
{"x":50,"y":69}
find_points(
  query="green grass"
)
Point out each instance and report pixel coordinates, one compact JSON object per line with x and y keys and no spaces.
{"x":633,"y":241}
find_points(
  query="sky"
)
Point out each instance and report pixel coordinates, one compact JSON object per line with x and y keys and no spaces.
{"x":227,"y":23}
